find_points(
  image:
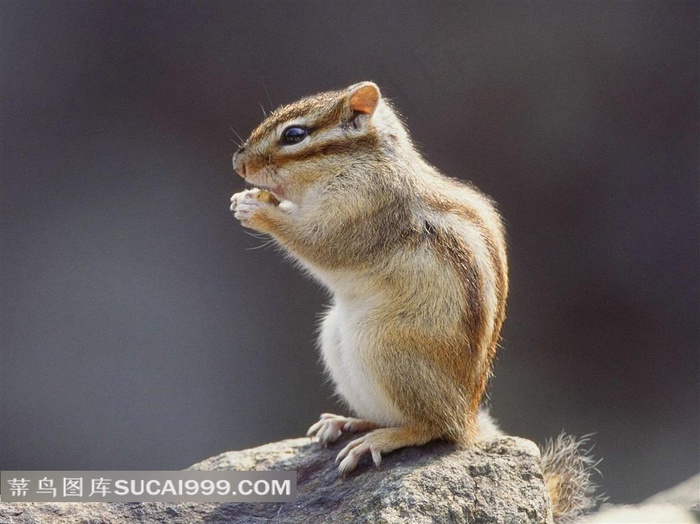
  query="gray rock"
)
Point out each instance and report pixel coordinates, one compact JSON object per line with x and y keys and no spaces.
{"x":498,"y":482}
{"x":678,"y":505}
{"x":686,"y":494}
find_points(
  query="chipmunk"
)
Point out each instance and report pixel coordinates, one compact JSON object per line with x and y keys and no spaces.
{"x":415,"y":261}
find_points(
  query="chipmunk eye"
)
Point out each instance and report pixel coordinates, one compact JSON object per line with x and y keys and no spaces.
{"x":294,"y":135}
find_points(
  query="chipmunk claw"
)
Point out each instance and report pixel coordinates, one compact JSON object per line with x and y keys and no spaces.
{"x":351,"y":454}
{"x":330,"y":427}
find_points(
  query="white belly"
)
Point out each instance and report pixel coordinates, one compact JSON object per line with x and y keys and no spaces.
{"x":345,"y":344}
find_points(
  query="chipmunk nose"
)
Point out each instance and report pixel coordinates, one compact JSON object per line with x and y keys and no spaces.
{"x":238,"y":163}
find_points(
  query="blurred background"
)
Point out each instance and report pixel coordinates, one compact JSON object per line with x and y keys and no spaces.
{"x":141,"y":329}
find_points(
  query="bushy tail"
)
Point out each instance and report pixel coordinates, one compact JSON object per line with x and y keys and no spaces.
{"x":568,"y":468}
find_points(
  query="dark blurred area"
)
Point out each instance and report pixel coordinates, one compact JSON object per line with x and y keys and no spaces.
{"x":142,"y":330}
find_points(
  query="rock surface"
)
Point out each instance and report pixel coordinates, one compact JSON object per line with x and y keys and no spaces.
{"x":498,"y":482}
{"x":678,"y":505}
{"x":686,"y":495}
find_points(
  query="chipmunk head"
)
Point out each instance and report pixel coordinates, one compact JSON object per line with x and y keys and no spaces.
{"x":302,"y":143}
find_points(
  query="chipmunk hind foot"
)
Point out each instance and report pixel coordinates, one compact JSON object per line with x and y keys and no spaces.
{"x":380,"y":441}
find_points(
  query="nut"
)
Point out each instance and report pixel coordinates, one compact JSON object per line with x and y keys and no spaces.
{"x":267,"y":197}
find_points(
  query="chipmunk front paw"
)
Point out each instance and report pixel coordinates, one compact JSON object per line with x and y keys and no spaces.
{"x":246,"y":204}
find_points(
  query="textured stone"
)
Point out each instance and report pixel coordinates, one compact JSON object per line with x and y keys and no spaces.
{"x":678,"y":505}
{"x":686,"y":494}
{"x":499,"y":482}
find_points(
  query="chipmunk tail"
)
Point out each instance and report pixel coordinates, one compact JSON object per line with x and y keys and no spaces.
{"x":568,"y":468}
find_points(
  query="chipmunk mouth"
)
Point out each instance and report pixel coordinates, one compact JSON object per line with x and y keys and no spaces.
{"x":260,"y":176}
{"x":275,"y":190}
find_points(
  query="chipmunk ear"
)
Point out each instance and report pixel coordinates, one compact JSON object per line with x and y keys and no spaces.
{"x":363,"y":98}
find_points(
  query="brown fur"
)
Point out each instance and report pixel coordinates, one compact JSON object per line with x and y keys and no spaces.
{"x":428,"y":250}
